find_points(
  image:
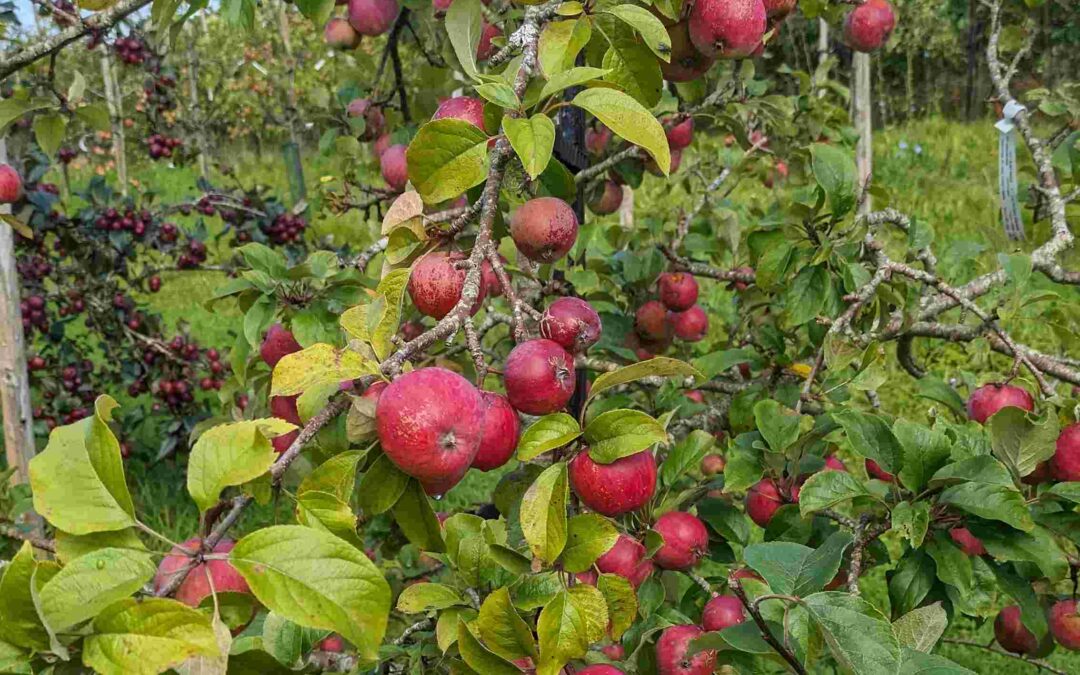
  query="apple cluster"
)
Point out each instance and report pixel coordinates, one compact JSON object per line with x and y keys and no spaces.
{"x":131,"y":50}
{"x":161,"y":145}
{"x":675,"y":315}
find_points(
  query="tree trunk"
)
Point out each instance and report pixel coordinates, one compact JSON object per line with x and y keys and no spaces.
{"x":909,"y":83}
{"x":294,"y":165}
{"x":116,"y":113}
{"x":863,"y":122}
{"x":196,"y":109}
{"x":822,"y":41}
{"x":14,"y":379}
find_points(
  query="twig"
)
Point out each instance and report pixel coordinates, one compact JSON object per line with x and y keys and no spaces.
{"x":736,"y":587}
{"x":1037,"y":663}
{"x":423,"y":624}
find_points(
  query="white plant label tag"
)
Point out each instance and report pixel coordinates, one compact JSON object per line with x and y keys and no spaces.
{"x":1010,"y":206}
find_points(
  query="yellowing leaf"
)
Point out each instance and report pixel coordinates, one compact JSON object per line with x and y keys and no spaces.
{"x":146,"y":637}
{"x":231,"y":454}
{"x":628,"y":119}
{"x":316,"y":365}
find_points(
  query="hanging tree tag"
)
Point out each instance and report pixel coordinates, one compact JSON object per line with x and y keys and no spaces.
{"x":1010,"y":207}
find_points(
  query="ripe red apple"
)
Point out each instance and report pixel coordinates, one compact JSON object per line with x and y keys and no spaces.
{"x":777,"y":10}
{"x":372,"y":17}
{"x":613,"y":489}
{"x":729,"y":29}
{"x":712,"y":464}
{"x":694,"y":395}
{"x":339,"y":34}
{"x":435,"y":284}
{"x":10,"y":184}
{"x":686,"y":540}
{"x":380,"y":145}
{"x":600,"y":669}
{"x":875,"y":471}
{"x":195,"y":586}
{"x":833,"y":463}
{"x":501,"y":428}
{"x":539,"y":377}
{"x":430,"y":423}
{"x":671,"y":653}
{"x":484,"y":48}
{"x":394,"y":167}
{"x":967,"y":542}
{"x":492,"y":285}
{"x":1043,"y":473}
{"x":687,"y":63}
{"x":1065,"y":624}
{"x":741,"y":285}
{"x":1065,"y":464}
{"x":596,"y":139}
{"x":278,"y":343}
{"x":614,"y":652}
{"x":691,"y":325}
{"x":990,"y":398}
{"x":652,"y":167}
{"x":606,"y":200}
{"x":334,"y":644}
{"x":764,"y":499}
{"x":868,"y":26}
{"x":374,"y":120}
{"x":589,"y":577}
{"x":679,"y":130}
{"x":375,"y":390}
{"x":652,"y":322}
{"x":572,"y":323}
{"x":463,"y":108}
{"x":678,"y":290}
{"x":1012,"y":635}
{"x":627,"y":558}
{"x":440,"y":7}
{"x":544,"y":229}
{"x":722,"y":611}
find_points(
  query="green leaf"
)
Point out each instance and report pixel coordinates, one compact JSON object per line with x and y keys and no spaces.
{"x":629,"y":120}
{"x":502,"y":628}
{"x":728,"y":521}
{"x":478,"y":657}
{"x":532,"y":140}
{"x":1032,"y":613}
{"x":834,"y":171}
{"x":777,"y":424}
{"x":1037,"y":546}
{"x":547,"y":433}
{"x":921,"y":628}
{"x":936,"y":389}
{"x":562,"y":634}
{"x":49,"y":132}
{"x":425,"y":597}
{"x":87,"y":585}
{"x":911,"y":520}
{"x":859,"y":636}
{"x":287,"y":641}
{"x":560,"y":43}
{"x":499,"y":93}
{"x":78,"y":479}
{"x":912,"y":580}
{"x":620,"y":433}
{"x":316,"y":10}
{"x":14,"y":660}
{"x":464,"y":24}
{"x":324,"y":495}
{"x":446,"y":158}
{"x":871,"y":437}
{"x":416,"y":518}
{"x":392,"y":289}
{"x":917,"y":663}
{"x":805,"y":297}
{"x":317,"y":365}
{"x":1020,"y":443}
{"x":826,"y":489}
{"x":686,"y":455}
{"x":382,"y":486}
{"x":925,"y":451}
{"x":543,"y":513}
{"x":19,"y":621}
{"x":316,"y":579}
{"x":12,"y":108}
{"x":660,"y":366}
{"x":650,"y":28}
{"x":632,"y":65}
{"x":589,"y":536}
{"x":621,"y":602}
{"x":231,"y":454}
{"x":794,"y":569}
{"x":571,"y":78}
{"x":95,"y":116}
{"x":591,"y":605}
{"x":147,"y":636}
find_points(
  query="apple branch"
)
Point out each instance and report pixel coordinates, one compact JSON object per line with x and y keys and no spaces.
{"x":681,"y":264}
{"x":736,"y":587}
{"x":1039,"y":664}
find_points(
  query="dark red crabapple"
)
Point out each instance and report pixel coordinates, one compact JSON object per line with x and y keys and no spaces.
{"x":833,"y":463}
{"x":627,"y":558}
{"x":374,"y":120}
{"x":678,"y":290}
{"x":778,"y":9}
{"x":430,"y":423}
{"x":613,"y":489}
{"x":278,"y":343}
{"x":572,"y":323}
{"x":722,"y":611}
{"x":463,"y":108}
{"x":485,"y":48}
{"x":687,"y":63}
{"x":539,"y":377}
{"x":1012,"y":635}
{"x":339,"y":34}
{"x":691,"y":325}
{"x":875,"y":471}
{"x":11,"y":188}
{"x":729,"y":29}
{"x":394,"y":167}
{"x":597,"y":139}
{"x":155,"y":284}
{"x":652,"y":323}
{"x":333,"y":644}
{"x":544,"y":229}
{"x":990,"y":398}
{"x":372,"y":17}
{"x":1065,"y":464}
{"x":196,"y":585}
{"x":614,"y":652}
{"x":501,"y":429}
{"x":1065,"y":624}
{"x":741,"y":285}
{"x":671,"y":651}
{"x":686,"y":541}
{"x":607,"y":200}
{"x":967,"y":542}
{"x":712,"y":464}
{"x":764,"y":499}
{"x":868,"y":26}
{"x":435,"y":284}
{"x":679,"y":130}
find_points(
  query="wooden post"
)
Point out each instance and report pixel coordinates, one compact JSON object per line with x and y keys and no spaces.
{"x":863,"y":120}
{"x":116,"y":113}
{"x":14,"y":378}
{"x":294,"y":165}
{"x":822,"y":41}
{"x":196,"y":110}
{"x":626,"y":208}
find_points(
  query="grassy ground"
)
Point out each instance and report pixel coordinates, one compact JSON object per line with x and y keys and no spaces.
{"x":940,"y":172}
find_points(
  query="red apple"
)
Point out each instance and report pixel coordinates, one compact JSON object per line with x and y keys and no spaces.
{"x":11,"y":188}
{"x":196,"y":586}
{"x":729,"y":29}
{"x":606,"y":200}
{"x":713,"y":464}
{"x":539,"y":377}
{"x":679,"y":130}
{"x":600,"y":669}
{"x":596,"y":139}
{"x":875,"y":471}
{"x":278,"y":343}
{"x":339,"y":34}
{"x":990,"y":398}
{"x":1065,"y":624}
{"x":833,"y":463}
{"x":686,"y":541}
{"x":394,"y":167}
{"x":572,"y":323}
{"x":614,"y":652}
{"x":1012,"y":635}
{"x":722,"y":611}
{"x":484,"y":48}
{"x":544,"y":229}
{"x":687,"y":63}
{"x":678,"y":290}
{"x":436,"y":283}
{"x":653,"y":323}
{"x":627,"y":558}
{"x":691,"y":325}
{"x":374,"y":120}
{"x":501,"y":429}
{"x":613,"y":489}
{"x":764,"y":499}
{"x":334,"y":644}
{"x":967,"y":542}
{"x":463,"y":108}
{"x":868,"y":26}
{"x":1065,"y":464}
{"x":671,"y":653}
{"x":372,"y":17}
